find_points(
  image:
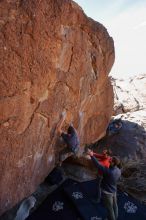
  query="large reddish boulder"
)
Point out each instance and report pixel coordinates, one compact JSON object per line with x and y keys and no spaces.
{"x":53,"y":58}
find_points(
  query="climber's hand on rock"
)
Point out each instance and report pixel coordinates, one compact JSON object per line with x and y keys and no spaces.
{"x":81,"y":114}
{"x":63,"y":115}
{"x":71,"y":124}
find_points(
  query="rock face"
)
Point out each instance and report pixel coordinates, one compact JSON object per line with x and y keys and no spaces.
{"x":130,"y":142}
{"x":130,"y":94}
{"x":53,"y":58}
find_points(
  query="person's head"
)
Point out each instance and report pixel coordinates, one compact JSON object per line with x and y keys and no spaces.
{"x":115,"y":161}
{"x":118,"y":123}
{"x":70,"y":130}
{"x":107,"y":152}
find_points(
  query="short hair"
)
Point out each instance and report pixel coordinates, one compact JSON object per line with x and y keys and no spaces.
{"x":107,"y":151}
{"x":70,"y":130}
{"x":118,"y":122}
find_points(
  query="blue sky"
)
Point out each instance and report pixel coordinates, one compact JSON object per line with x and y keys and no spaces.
{"x":125,"y":21}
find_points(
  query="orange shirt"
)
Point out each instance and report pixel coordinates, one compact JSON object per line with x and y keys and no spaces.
{"x":103,"y":159}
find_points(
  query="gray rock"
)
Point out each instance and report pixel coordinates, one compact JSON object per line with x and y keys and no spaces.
{"x":25,"y":207}
{"x":129,"y":94}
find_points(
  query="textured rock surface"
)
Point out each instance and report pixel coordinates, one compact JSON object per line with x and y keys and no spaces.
{"x":53,"y":58}
{"x":129,"y":94}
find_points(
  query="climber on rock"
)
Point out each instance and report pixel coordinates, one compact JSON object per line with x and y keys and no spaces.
{"x":109,"y":182}
{"x":114,"y":127}
{"x":70,"y":138}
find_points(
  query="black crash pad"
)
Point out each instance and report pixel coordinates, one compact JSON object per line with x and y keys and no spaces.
{"x":82,"y":203}
{"x":58,"y":206}
{"x":129,"y":207}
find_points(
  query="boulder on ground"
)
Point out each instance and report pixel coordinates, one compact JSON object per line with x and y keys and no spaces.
{"x":53,"y":58}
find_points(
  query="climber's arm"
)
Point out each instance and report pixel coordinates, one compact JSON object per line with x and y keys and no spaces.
{"x":59,"y":126}
{"x":99,"y":156}
{"x":80,"y":123}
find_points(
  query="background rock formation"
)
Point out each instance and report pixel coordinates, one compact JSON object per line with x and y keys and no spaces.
{"x":129,"y":94}
{"x":130,"y":142}
{"x":53,"y":58}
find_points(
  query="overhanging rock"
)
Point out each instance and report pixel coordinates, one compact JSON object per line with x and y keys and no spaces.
{"x":53,"y":58}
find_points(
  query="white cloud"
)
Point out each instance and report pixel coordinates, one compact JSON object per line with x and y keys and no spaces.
{"x":129,"y":41}
{"x":125,"y":21}
{"x":140,"y":25}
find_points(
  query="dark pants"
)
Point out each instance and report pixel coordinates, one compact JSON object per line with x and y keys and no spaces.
{"x":99,"y":179}
{"x":110,"y":203}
